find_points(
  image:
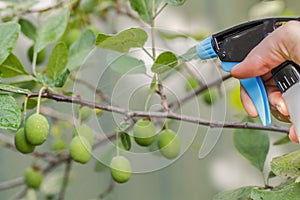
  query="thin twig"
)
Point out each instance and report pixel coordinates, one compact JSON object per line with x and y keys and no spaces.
{"x":171,"y":115}
{"x":176,"y":104}
{"x":65,"y":179}
{"x":11,"y":183}
{"x":109,"y":189}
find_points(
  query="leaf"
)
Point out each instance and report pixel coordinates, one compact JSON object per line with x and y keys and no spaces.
{"x":51,"y":29}
{"x":13,"y":89}
{"x":9,"y":33}
{"x":12,"y":67}
{"x":176,"y":2}
{"x":57,"y":61}
{"x":28,"y":29}
{"x":189,"y":55}
{"x":123,"y":127}
{"x":144,"y":8}
{"x":124,"y":41}
{"x":242,"y":193}
{"x":10,"y":113}
{"x":126,"y":64}
{"x":80,"y":49}
{"x":289,"y":192}
{"x":282,"y":140}
{"x":62,"y":78}
{"x":126,"y":140}
{"x":287,"y":165}
{"x":171,"y":35}
{"x":164,"y":62}
{"x":253,"y":145}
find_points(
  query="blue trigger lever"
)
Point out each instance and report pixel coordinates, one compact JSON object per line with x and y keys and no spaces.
{"x":257,"y":92}
{"x":253,"y":86}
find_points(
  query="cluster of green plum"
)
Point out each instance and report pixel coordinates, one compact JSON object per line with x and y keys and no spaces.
{"x":144,"y":133}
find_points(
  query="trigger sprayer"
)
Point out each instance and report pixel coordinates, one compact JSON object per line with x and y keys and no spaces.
{"x":232,"y":45}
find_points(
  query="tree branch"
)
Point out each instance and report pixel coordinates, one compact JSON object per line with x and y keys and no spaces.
{"x":171,"y":115}
{"x":11,"y":183}
{"x":65,"y":179}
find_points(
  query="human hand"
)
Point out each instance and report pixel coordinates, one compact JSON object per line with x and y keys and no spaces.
{"x":281,"y":45}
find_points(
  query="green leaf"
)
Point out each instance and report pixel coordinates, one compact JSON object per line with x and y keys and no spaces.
{"x":253,"y":145}
{"x":189,"y":55}
{"x":126,"y":64}
{"x":144,"y":8}
{"x":57,"y":61}
{"x":124,"y":41}
{"x":12,"y":67}
{"x":51,"y":29}
{"x":289,"y":192}
{"x":176,"y":2}
{"x":80,"y":49}
{"x":123,"y":127}
{"x":13,"y":89}
{"x":9,"y":33}
{"x":282,"y":140}
{"x":10,"y":113}
{"x":171,"y":35}
{"x":126,"y":140}
{"x":62,"y":78}
{"x":242,"y":193}
{"x":28,"y":28}
{"x":164,"y":62}
{"x":287,"y":165}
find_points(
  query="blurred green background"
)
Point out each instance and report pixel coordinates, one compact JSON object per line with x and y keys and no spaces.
{"x":188,"y":177}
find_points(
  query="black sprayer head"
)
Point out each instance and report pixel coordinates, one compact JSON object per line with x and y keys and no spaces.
{"x":286,"y":75}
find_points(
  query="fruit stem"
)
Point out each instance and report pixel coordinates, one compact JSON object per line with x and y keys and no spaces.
{"x":147,"y":102}
{"x":34,"y":63}
{"x":39,"y":99}
{"x":25,"y":107}
{"x":117,"y":142}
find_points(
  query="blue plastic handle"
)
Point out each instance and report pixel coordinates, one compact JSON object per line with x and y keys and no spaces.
{"x":257,"y":92}
{"x":253,"y":86}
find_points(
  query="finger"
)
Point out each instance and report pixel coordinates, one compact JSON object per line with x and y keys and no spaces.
{"x":276,"y":100}
{"x":293,"y":135}
{"x":279,"y":46}
{"x":247,"y":103}
{"x":278,"y":115}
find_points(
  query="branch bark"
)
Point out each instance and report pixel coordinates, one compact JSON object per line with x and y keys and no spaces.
{"x":170,"y":115}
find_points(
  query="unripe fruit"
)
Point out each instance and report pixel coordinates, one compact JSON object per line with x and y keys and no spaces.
{"x":210,"y":96}
{"x":33,"y":178}
{"x":144,"y":132}
{"x":72,"y":36}
{"x":40,"y":56}
{"x":85,"y":112}
{"x":36,"y":129}
{"x":85,"y":131}
{"x":98,"y":111}
{"x":58,"y":144}
{"x":80,"y":149}
{"x":120,"y":169}
{"x":191,"y":84}
{"x":21,"y":143}
{"x":169,"y":144}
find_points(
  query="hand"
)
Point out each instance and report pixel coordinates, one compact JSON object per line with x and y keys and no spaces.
{"x":281,"y":45}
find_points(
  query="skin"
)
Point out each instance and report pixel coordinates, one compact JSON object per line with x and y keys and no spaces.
{"x":281,"y":45}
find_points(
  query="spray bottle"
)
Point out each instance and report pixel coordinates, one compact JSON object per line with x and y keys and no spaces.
{"x":232,"y":45}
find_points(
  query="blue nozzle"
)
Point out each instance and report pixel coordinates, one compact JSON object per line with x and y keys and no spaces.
{"x":205,"y":50}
